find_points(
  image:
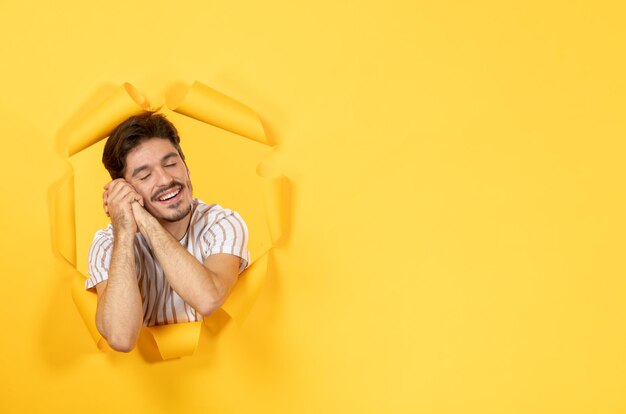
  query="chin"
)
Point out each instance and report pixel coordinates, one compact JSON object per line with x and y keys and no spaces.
{"x":176,"y":213}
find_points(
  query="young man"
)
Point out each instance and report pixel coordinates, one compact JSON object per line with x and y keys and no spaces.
{"x":166,"y":257}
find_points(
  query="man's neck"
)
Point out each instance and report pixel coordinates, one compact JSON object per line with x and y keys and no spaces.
{"x":177,"y":228}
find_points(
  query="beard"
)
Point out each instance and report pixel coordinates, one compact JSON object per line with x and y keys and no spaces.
{"x":177,"y":211}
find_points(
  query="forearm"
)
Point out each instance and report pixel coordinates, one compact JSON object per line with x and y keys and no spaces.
{"x":196,"y":285}
{"x":119,"y":314}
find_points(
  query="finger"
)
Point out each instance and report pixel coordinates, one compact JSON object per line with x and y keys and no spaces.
{"x":136,"y":209}
{"x":139,"y":198}
{"x":113,"y":188}
{"x":128,"y":199}
{"x":121,"y":198}
{"x":118,"y":190}
{"x":113,"y":182}
{"x":105,"y":202}
{"x":117,"y":183}
{"x":131,"y":186}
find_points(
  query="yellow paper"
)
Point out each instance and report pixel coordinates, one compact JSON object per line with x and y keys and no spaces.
{"x":86,"y":302}
{"x":207,"y":106}
{"x":177,"y":340}
{"x":99,"y":122}
{"x":458,"y":227}
{"x":275,"y":198}
{"x":64,"y":224}
{"x":214,"y":108}
{"x":247,"y":289}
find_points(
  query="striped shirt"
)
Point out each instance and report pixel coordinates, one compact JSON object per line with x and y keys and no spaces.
{"x":212,"y":230}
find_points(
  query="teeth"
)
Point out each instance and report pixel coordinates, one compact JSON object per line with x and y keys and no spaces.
{"x":169,"y":195}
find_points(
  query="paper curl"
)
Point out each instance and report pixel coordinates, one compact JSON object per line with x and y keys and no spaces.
{"x":275,"y":196}
{"x":203,"y":104}
{"x":214,"y":108}
{"x":123,"y":103}
{"x":64,"y":223}
{"x":175,"y":341}
{"x":86,"y":303}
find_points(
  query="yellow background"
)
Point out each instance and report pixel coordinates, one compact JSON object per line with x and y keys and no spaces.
{"x":457,"y":229}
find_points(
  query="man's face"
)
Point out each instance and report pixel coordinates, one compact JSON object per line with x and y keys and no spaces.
{"x":160,"y":176}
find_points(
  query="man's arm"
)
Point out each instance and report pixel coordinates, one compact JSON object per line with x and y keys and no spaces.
{"x":204,"y":286}
{"x":119,"y":314}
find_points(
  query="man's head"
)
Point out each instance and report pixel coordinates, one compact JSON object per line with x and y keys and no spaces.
{"x":145,"y":151}
{"x":130,"y":134}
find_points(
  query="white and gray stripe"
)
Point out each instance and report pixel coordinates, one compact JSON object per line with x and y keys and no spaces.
{"x":213,"y":229}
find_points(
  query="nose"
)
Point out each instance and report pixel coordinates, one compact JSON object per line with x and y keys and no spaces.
{"x":162,"y":177}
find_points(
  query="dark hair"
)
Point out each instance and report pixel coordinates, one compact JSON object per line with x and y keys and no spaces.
{"x":133,"y":132}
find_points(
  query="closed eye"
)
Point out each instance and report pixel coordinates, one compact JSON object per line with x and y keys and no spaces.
{"x":144,"y":177}
{"x":171,"y":165}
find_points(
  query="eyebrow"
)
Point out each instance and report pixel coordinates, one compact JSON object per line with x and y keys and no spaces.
{"x":145,"y":167}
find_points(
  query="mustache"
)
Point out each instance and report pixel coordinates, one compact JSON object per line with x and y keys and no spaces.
{"x":171,"y":186}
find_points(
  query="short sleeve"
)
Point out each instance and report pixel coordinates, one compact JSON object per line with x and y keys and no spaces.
{"x":227,"y":234}
{"x":99,"y":258}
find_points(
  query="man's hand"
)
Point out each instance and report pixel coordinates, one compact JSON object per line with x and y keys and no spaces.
{"x":118,"y":199}
{"x":142,"y":217}
{"x":119,"y":312}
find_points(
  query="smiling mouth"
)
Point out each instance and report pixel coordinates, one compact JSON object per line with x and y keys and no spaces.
{"x":170,"y":194}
